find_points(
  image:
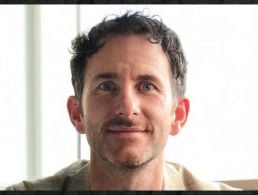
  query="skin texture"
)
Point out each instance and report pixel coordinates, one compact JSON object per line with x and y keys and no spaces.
{"x":128,"y":110}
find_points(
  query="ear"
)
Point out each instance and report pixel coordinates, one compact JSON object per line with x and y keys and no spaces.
{"x":73,"y":107}
{"x":181,"y":114}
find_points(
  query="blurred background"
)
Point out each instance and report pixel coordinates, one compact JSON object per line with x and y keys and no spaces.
{"x":220,"y":139}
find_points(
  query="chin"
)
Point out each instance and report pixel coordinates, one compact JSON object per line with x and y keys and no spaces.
{"x":127,"y":157}
{"x":130,"y":161}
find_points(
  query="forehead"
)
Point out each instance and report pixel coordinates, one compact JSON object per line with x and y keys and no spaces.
{"x":129,"y":54}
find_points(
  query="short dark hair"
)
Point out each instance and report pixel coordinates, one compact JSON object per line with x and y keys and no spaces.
{"x":84,"y":46}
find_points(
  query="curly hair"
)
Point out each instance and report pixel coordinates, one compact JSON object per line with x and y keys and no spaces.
{"x":84,"y":46}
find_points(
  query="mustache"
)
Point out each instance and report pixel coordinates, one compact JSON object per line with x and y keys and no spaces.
{"x":118,"y":121}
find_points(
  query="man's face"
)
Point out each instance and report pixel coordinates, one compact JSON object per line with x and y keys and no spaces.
{"x":127,"y":103}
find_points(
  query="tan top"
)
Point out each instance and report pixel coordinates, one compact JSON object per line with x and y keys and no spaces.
{"x":76,"y":177}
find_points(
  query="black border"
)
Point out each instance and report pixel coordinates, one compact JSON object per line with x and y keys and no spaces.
{"x":128,"y":1}
{"x":129,"y":192}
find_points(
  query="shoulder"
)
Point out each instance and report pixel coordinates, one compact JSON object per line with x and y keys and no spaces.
{"x":185,"y":180}
{"x":55,"y":182}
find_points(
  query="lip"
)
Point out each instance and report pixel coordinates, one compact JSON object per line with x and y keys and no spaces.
{"x":126,"y":132}
{"x":118,"y":129}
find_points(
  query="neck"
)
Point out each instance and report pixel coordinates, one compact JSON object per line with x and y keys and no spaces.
{"x":104,"y":176}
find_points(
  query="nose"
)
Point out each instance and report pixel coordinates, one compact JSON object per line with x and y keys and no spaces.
{"x":128,"y":104}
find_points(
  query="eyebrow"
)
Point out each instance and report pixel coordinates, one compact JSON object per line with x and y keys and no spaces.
{"x":105,"y":75}
{"x":148,"y":78}
{"x":110,"y":75}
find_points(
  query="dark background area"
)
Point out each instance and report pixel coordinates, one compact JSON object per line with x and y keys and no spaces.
{"x":129,"y":1}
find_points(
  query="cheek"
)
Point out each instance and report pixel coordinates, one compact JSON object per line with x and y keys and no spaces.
{"x":158,"y":113}
{"x":158,"y":106}
{"x":96,"y":108}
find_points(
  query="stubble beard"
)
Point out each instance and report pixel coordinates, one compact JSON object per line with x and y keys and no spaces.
{"x":101,"y":151}
{"x":128,"y":163}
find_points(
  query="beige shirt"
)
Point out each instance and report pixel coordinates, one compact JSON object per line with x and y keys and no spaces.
{"x":76,"y":177}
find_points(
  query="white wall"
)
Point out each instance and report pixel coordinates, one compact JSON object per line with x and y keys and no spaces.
{"x":58,"y":28}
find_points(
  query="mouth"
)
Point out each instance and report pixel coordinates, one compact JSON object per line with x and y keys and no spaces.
{"x":126,"y":131}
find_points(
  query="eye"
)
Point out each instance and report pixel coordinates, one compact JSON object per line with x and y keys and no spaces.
{"x":146,"y":86}
{"x":107,"y":86}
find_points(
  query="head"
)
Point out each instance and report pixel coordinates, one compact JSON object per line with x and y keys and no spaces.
{"x":129,"y":77}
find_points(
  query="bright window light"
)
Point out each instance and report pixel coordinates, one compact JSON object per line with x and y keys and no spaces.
{"x":59,"y":138}
{"x":12,"y":98}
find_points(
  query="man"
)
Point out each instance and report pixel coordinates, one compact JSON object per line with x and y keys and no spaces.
{"x":129,"y":77}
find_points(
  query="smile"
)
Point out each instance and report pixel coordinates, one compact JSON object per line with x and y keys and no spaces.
{"x":125,"y":129}
{"x":125,"y":132}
